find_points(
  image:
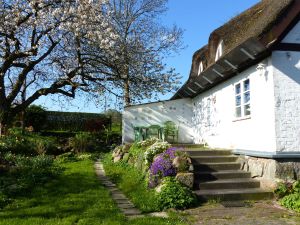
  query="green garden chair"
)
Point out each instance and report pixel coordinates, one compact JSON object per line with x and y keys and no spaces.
{"x":170,"y":132}
{"x":154,"y":131}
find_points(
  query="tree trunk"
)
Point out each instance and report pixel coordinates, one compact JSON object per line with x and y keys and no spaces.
{"x":126,"y":92}
{"x":3,"y":120}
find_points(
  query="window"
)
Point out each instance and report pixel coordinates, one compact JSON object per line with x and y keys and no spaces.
{"x":242,"y":99}
{"x":200,"y":68}
{"x":219,"y":51}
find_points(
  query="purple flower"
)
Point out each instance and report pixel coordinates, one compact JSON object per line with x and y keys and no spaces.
{"x":162,"y":166}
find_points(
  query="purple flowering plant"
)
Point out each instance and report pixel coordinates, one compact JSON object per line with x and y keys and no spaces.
{"x":162,"y":166}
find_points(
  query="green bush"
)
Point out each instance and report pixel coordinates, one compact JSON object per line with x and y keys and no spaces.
{"x":175,"y":195}
{"x":35,"y":116}
{"x":25,"y":173}
{"x":82,"y":142}
{"x":155,"y":149}
{"x":132,"y":182}
{"x":290,"y":194}
{"x":282,"y":190}
{"x":291,"y":201}
{"x":25,"y":143}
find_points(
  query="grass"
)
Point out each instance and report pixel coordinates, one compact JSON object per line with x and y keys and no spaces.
{"x":132,"y":183}
{"x":75,"y":198}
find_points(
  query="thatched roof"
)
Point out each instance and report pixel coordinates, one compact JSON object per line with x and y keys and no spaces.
{"x":252,"y":23}
{"x":257,"y":29}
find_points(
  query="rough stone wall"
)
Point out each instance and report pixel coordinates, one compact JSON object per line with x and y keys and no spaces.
{"x":270,"y":171}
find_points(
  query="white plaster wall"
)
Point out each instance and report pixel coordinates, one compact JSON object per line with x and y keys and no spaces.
{"x":287,"y":97}
{"x":213,"y":114}
{"x":178,"y":111}
{"x":294,"y":35}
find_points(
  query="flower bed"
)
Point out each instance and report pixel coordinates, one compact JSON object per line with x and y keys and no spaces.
{"x":164,"y":168}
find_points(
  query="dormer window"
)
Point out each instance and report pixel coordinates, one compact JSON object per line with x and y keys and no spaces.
{"x":200,"y":68}
{"x":219,"y":51}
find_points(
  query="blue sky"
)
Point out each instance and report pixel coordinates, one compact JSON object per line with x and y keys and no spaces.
{"x":198,"y":18}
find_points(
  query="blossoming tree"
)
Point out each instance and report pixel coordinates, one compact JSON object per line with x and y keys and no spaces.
{"x":40,"y":48}
{"x":134,"y":64}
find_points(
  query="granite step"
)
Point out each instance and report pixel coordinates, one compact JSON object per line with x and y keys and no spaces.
{"x":216,"y":166}
{"x":206,"y":152}
{"x":217,"y":158}
{"x":234,"y":194}
{"x":224,"y":174}
{"x":241,"y":183}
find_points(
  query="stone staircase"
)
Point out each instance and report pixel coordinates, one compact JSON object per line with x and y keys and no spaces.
{"x":218,"y":176}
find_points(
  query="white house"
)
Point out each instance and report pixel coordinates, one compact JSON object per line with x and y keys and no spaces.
{"x":243,"y":92}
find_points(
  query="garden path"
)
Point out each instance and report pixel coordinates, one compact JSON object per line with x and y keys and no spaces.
{"x":122,"y":201}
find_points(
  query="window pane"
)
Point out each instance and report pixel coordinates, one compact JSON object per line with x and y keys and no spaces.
{"x":237,"y":89}
{"x":247,"y":110}
{"x":238,"y":100}
{"x":238,"y":111}
{"x":246,"y":97}
{"x":246,"y":85}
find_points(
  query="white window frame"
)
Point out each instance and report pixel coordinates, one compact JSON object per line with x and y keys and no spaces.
{"x":219,"y":51}
{"x":200,"y":68}
{"x":245,"y":107}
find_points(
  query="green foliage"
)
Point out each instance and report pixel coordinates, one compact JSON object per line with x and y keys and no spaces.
{"x":35,"y":116}
{"x":25,"y":143}
{"x":135,"y":150}
{"x":291,"y":201}
{"x":74,"y":197}
{"x":81,"y":142}
{"x":290,"y":194}
{"x":155,"y":149}
{"x":73,"y":121}
{"x":132,"y":182}
{"x":175,"y":195}
{"x":73,"y":157}
{"x":26,"y":172}
{"x":282,"y":190}
{"x":146,"y":143}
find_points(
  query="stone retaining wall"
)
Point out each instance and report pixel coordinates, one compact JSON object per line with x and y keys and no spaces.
{"x":270,"y":171}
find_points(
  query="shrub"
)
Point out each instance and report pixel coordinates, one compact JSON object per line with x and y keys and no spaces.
{"x":162,"y":167}
{"x":81,"y":142}
{"x":27,"y":172}
{"x":26,"y":143}
{"x":174,"y":195}
{"x":146,"y":143}
{"x":35,"y":116}
{"x":155,"y":149}
{"x":291,"y":201}
{"x":290,"y":194}
{"x":283,"y":189}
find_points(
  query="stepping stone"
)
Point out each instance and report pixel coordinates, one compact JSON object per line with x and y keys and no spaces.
{"x":131,"y":212}
{"x":122,"y":201}
{"x":125,"y":206}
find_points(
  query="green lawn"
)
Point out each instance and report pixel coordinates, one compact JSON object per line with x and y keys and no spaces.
{"x":75,"y":198}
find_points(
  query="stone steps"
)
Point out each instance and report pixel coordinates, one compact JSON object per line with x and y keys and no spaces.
{"x":225,"y":174}
{"x":215,"y":159}
{"x":205,"y":152}
{"x":218,"y":176}
{"x":228,"y":184}
{"x":215,"y":166}
{"x":234,"y":194}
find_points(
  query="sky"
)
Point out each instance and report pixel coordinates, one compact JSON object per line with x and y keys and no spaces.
{"x":198,"y":18}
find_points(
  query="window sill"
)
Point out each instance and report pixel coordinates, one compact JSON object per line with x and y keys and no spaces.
{"x":241,"y":118}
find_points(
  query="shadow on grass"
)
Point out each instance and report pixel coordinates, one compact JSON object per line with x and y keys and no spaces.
{"x":76,"y":195}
